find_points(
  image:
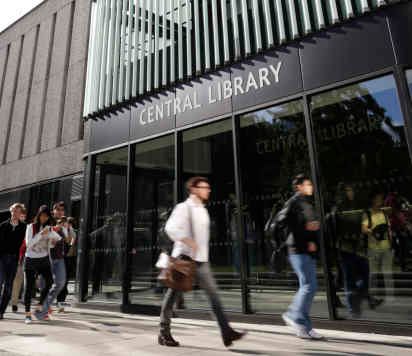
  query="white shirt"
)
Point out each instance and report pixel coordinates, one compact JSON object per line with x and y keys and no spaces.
{"x":178,"y":227}
{"x":38,"y":246}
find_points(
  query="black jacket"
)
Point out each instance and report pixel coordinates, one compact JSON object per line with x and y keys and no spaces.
{"x":11,"y":237}
{"x":301,"y":212}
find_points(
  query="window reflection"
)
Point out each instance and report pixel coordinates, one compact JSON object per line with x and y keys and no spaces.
{"x":152,"y":205}
{"x":273,"y":149}
{"x":107,"y":238}
{"x":208,"y":152}
{"x":366,"y":184}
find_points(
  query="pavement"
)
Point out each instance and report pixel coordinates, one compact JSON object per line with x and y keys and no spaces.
{"x":90,"y":332}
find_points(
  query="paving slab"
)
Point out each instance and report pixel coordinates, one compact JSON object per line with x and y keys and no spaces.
{"x":91,"y":332}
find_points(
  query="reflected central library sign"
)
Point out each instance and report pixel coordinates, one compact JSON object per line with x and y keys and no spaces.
{"x":216,"y":93}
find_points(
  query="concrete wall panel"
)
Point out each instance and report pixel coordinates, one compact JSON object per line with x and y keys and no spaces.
{"x":73,"y":120}
{"x":9,"y":90}
{"x":24,"y":81}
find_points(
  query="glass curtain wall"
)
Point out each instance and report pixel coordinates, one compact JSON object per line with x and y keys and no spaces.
{"x":273,"y":149}
{"x":208,"y":152}
{"x":107,"y":238}
{"x":154,"y":175}
{"x":366,"y":181}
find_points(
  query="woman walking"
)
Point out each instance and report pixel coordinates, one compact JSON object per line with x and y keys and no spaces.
{"x":40,"y":236}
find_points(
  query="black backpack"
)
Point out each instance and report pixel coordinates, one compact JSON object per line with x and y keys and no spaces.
{"x":277,"y":231}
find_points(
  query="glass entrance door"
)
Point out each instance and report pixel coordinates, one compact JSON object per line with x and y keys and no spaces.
{"x":152,"y":203}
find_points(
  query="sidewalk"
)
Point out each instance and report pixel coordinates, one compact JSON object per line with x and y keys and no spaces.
{"x":90,"y":332}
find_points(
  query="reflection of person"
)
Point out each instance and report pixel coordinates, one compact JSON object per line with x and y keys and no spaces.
{"x":351,"y":251}
{"x":189,"y":228}
{"x":303,"y":224}
{"x":400,"y":226}
{"x":376,"y":225}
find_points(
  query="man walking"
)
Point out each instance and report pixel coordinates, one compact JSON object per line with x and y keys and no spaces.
{"x":303,"y":227}
{"x":12,"y":233}
{"x":188,"y":227}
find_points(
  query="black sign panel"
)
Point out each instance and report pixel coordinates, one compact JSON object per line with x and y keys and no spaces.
{"x":110,"y":130}
{"x":202,"y":98}
{"x":358,"y":47}
{"x":153,"y":115}
{"x":265,"y":78}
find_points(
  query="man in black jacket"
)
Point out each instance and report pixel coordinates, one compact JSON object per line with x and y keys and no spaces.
{"x":303,"y":226}
{"x":12,"y":233}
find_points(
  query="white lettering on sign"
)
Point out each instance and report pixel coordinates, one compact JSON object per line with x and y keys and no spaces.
{"x":222,"y":90}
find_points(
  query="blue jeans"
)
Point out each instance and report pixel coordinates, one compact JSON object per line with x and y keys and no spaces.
{"x":8,"y":268}
{"x":305,"y":268}
{"x":356,"y":278}
{"x":59,"y":281}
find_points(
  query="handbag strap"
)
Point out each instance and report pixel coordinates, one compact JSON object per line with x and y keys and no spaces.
{"x":192,"y":231}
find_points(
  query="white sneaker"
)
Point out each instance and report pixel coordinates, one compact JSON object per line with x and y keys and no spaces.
{"x":294,"y":325}
{"x":28,"y":320}
{"x":303,"y":334}
{"x":315,"y":335}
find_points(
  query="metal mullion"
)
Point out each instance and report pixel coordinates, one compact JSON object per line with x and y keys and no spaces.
{"x":164,"y":54}
{"x":103,"y":67}
{"x":333,"y":11}
{"x":136,"y":50}
{"x":188,"y":40}
{"x":149,"y":46}
{"x":314,"y":166}
{"x":109,"y":80}
{"x":349,"y":8}
{"x":197,"y":37}
{"x":172,"y":42}
{"x":117,"y":52}
{"x":156,"y":45}
{"x":268,"y":23}
{"x":126,"y":285}
{"x":82,"y":268}
{"x":142,"y":46}
{"x":235,"y":24}
{"x":206,"y":34}
{"x":180,"y":40}
{"x":364,"y":6}
{"x":122,"y":53}
{"x":307,"y":26}
{"x":280,"y":21}
{"x":256,"y":21}
{"x":246,"y":30}
{"x":225,"y":32}
{"x":294,"y":29}
{"x":129,"y":52}
{"x":215,"y":34}
{"x":240,"y":230}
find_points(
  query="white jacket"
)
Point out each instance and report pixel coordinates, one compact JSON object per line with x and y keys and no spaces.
{"x":185,"y":217}
{"x":38,"y":246}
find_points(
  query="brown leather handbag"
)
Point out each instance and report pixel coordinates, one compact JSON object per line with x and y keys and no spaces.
{"x":180,"y":272}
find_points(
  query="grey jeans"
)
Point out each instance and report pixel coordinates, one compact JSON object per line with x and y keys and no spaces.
{"x":208,"y":284}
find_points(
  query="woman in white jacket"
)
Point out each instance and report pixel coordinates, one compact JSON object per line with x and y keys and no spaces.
{"x":39,"y":238}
